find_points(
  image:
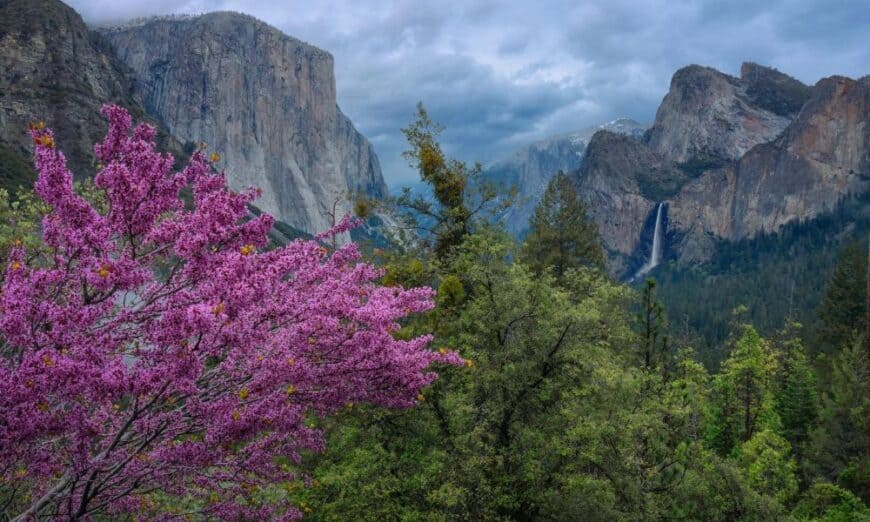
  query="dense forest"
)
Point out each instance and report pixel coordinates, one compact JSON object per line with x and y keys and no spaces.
{"x":562,"y":393}
{"x":582,"y":401}
{"x":770,"y":280}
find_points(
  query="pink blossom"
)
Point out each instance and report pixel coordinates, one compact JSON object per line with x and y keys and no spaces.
{"x":162,"y":346}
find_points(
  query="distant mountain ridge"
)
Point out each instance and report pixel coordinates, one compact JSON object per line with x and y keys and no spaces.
{"x":264,"y":100}
{"x":730,"y":158}
{"x":531,"y":167}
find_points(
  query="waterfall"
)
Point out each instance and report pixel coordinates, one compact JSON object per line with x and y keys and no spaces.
{"x":655,"y":255}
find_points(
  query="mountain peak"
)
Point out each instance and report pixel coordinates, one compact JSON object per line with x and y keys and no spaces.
{"x":531,"y":167}
{"x":772,"y":90}
{"x":709,"y":114}
{"x":225,"y":23}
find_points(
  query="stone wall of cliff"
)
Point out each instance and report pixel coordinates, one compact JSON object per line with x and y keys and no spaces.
{"x":707,"y":114}
{"x":265,"y":101}
{"x":54,"y":69}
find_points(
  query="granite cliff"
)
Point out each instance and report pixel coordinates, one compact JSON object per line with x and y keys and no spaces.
{"x":710,"y":115}
{"x":264,"y":100}
{"x":730,"y":158}
{"x":54,"y":69}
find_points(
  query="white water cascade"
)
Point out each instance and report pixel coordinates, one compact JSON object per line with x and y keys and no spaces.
{"x":655,"y":255}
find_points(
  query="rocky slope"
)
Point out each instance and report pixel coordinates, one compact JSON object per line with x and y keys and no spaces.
{"x":730,"y":157}
{"x":265,"y":101}
{"x":530,"y":168}
{"x":53,"y":68}
{"x":708,"y":114}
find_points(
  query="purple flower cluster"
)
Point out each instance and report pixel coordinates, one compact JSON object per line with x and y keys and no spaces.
{"x":159,"y":346}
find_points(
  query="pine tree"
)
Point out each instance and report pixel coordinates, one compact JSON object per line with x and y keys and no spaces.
{"x":842,"y":311}
{"x":561,"y":236}
{"x":655,"y":350}
{"x":841,"y":444}
{"x":769,"y":468}
{"x":742,"y":393}
{"x":795,"y":395}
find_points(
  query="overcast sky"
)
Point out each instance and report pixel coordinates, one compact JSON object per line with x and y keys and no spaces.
{"x":501,"y":74}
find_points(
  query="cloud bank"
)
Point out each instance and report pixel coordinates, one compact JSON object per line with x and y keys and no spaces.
{"x":501,"y":74}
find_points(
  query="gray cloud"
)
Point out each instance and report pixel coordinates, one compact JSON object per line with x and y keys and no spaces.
{"x":500,"y":74}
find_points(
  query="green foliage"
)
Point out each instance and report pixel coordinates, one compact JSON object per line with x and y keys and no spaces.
{"x":561,"y":235}
{"x":448,"y":180}
{"x":407,"y":271}
{"x":766,"y":460}
{"x":795,"y":396}
{"x":778,"y":276}
{"x":841,"y":443}
{"x":362,"y":207}
{"x":742,"y":402}
{"x":20,"y":220}
{"x":717,"y":490}
{"x":460,"y":195}
{"x":825,"y":502}
{"x":16,"y":171}
{"x":550,"y":421}
{"x":655,"y":347}
{"x":532,"y":355}
{"x":554,"y":419}
{"x":842,"y":311}
{"x":451,"y":292}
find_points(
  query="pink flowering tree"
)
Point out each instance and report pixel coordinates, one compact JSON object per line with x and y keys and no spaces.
{"x":159,"y":347}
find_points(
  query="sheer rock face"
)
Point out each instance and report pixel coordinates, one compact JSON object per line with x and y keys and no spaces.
{"x":793,"y":153}
{"x":611,"y":188}
{"x":54,"y":69}
{"x":530,"y":168}
{"x":263,"y":100}
{"x":708,"y":114}
{"x":820,"y":157}
{"x":823,"y":155}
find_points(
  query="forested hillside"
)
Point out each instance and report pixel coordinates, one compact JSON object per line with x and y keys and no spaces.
{"x":767,"y":280}
{"x":581,"y":401}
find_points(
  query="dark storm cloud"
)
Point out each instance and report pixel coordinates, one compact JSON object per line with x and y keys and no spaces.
{"x":499,"y":74}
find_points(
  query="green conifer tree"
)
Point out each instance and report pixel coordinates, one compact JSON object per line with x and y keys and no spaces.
{"x":842,"y":311}
{"x":561,"y":235}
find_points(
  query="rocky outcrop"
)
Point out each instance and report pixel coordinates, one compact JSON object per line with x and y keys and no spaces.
{"x":54,"y":69}
{"x":612,"y":188}
{"x":730,"y":174}
{"x":530,"y":168}
{"x":710,"y":115}
{"x":772,"y":90}
{"x":822,"y":156}
{"x":265,"y":101}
